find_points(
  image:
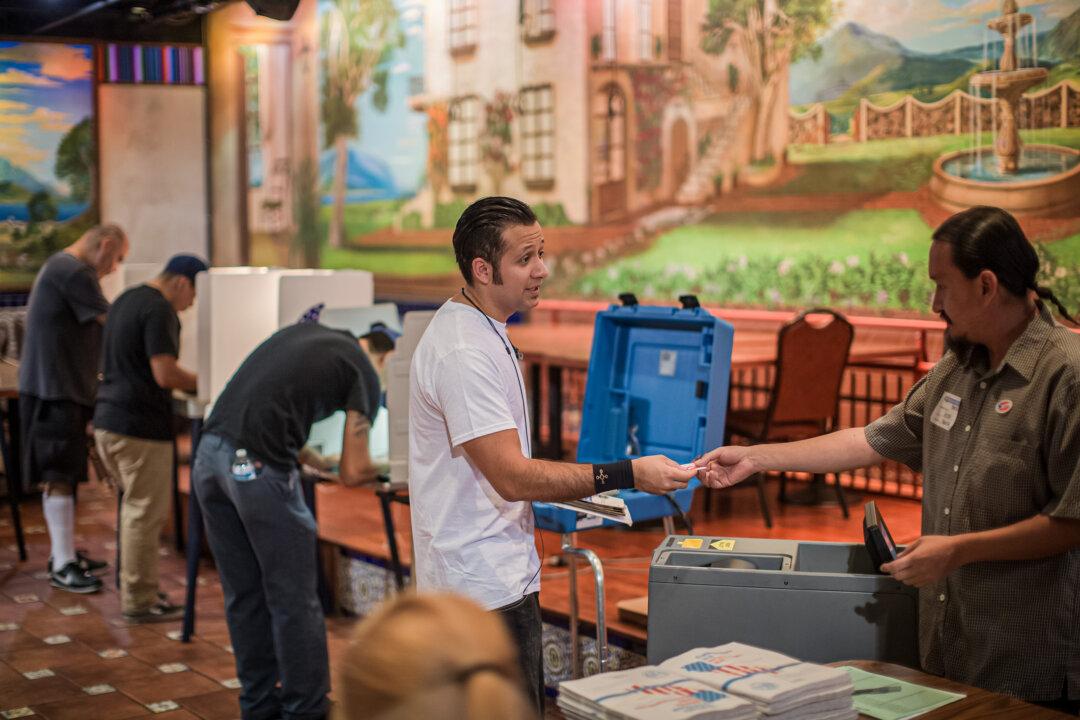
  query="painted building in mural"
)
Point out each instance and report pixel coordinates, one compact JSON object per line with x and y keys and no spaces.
{"x":597,"y":110}
{"x":770,"y":153}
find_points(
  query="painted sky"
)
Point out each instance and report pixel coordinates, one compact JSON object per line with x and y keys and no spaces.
{"x":937,"y":25}
{"x":45,"y":89}
{"x":398,"y":135}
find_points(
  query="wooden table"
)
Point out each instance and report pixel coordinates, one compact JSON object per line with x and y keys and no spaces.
{"x":978,"y":704}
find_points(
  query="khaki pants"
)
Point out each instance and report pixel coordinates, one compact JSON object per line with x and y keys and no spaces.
{"x":143,"y":470}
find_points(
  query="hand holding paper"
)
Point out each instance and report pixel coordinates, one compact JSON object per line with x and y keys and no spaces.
{"x":657,"y":474}
{"x":725,"y":466}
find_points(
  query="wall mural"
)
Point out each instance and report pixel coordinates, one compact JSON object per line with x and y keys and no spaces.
{"x":768,"y":153}
{"x":47,"y":153}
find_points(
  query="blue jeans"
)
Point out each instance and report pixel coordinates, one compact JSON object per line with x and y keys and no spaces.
{"x":263,"y":538}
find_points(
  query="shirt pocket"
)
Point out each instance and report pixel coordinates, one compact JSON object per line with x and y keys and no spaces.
{"x":1006,"y":485}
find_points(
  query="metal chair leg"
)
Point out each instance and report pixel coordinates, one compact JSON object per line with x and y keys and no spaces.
{"x":840,"y":496}
{"x":763,"y":500}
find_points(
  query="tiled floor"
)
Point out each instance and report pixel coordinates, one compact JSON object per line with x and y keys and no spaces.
{"x":72,"y":657}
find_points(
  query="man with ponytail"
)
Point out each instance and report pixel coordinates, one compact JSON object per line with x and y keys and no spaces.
{"x":995,"y":429}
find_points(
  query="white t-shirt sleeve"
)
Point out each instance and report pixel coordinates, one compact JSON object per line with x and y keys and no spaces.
{"x":470,"y":395}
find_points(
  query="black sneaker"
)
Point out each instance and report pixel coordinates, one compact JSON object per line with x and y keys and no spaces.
{"x":161,"y":611}
{"x":74,"y":579}
{"x":86,"y":563}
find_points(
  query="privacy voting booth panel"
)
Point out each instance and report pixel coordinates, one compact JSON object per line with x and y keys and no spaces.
{"x":657,"y":384}
{"x":326,"y":435}
{"x":397,"y":391}
{"x":241,"y":307}
{"x":131,"y":274}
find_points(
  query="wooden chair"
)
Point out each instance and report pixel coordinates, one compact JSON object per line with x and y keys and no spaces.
{"x":805,"y":395}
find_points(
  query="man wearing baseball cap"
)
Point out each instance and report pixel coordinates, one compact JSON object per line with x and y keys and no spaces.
{"x":133,"y":423}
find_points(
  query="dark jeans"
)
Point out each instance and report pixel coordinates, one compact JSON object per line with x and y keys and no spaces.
{"x":523,"y":620}
{"x":263,"y":538}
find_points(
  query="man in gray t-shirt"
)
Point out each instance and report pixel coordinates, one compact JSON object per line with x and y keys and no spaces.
{"x":57,"y":383}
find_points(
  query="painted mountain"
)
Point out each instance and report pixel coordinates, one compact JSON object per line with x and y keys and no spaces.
{"x":367,"y":177}
{"x":17,"y":184}
{"x":858,"y":62}
{"x":1064,"y":40}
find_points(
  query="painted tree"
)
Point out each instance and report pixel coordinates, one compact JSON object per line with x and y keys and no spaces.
{"x":75,"y":160}
{"x":41,"y":207}
{"x":359,"y":36}
{"x":769,"y":35}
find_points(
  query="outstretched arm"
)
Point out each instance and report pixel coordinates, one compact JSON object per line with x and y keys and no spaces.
{"x":841,"y":450}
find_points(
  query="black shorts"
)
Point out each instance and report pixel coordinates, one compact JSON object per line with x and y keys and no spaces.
{"x":54,"y":440}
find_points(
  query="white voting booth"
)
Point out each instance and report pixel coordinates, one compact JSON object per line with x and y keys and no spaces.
{"x":397,"y":392}
{"x":242,"y":306}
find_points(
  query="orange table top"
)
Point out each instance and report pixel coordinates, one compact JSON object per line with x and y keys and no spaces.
{"x":570,"y":344}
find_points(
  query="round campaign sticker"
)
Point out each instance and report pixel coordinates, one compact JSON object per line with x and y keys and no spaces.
{"x":1003,"y":406}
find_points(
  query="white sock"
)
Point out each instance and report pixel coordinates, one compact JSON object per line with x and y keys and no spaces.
{"x":60,"y":519}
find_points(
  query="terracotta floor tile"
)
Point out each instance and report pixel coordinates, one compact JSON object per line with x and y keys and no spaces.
{"x":11,"y":612}
{"x":110,"y":636}
{"x":170,"y":651}
{"x":172,"y":686}
{"x":218,"y":668}
{"x":176,"y":715}
{"x":13,"y":641}
{"x":20,"y":692}
{"x":220,"y":705}
{"x":50,"y":655}
{"x":47,"y":620}
{"x":8,"y":673}
{"x":101,"y":670}
{"x":111,"y":706}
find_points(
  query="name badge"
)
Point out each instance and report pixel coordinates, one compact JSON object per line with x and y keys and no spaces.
{"x":944,"y":415}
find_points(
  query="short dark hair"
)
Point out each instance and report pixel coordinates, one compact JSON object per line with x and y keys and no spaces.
{"x":479,"y":231}
{"x":989,"y":238}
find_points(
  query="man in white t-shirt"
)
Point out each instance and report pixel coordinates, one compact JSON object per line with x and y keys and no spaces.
{"x":471,"y":475}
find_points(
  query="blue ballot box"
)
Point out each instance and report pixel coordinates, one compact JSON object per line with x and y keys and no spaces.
{"x":657,"y":384}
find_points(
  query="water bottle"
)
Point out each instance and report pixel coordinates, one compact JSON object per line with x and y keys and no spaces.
{"x":242,"y":466}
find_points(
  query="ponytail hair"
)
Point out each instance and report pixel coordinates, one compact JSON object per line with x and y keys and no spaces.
{"x":988,"y":238}
{"x":1046,"y":293}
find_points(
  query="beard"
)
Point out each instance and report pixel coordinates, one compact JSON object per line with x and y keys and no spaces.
{"x":964,"y":349}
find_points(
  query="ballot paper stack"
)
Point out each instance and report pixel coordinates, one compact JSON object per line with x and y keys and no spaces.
{"x":649,"y":693}
{"x":780,"y":687}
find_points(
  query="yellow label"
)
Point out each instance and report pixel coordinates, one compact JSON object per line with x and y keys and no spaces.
{"x":692,"y":543}
{"x":726,"y":545}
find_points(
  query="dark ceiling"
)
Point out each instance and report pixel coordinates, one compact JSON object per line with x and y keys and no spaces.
{"x":120,"y":20}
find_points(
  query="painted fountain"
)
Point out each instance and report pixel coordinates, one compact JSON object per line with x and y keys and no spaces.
{"x":1035,"y":179}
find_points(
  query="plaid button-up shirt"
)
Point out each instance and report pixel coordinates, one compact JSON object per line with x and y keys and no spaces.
{"x":997,"y":446}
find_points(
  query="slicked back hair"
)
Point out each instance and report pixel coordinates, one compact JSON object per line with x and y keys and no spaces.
{"x":479,"y":231}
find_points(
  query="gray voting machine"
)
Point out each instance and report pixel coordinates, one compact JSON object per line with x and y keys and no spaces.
{"x":815,"y":601}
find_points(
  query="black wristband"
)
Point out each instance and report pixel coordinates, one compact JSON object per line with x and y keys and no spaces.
{"x":613,"y":476}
